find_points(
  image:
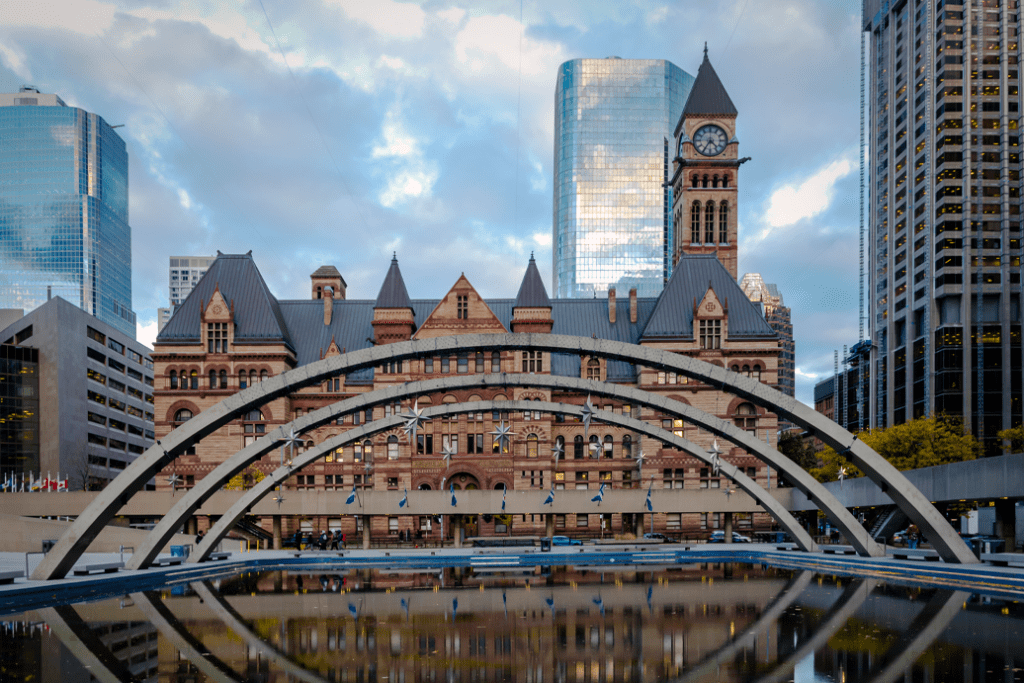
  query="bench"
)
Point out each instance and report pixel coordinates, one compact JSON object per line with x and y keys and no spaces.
{"x":213,"y":557}
{"x":168,"y":561}
{"x":786,"y":546}
{"x":9,"y":577}
{"x":1004,"y":559}
{"x":102,"y":567}
{"x":838,"y":549}
{"x":915,"y":554}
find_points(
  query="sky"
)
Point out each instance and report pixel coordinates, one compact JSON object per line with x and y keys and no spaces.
{"x":338,"y":132}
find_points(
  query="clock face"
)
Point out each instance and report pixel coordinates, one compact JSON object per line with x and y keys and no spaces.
{"x":710,"y":140}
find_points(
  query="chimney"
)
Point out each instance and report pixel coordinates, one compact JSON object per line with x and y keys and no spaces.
{"x":328,"y":297}
{"x":632,"y":305}
{"x":611,"y":305}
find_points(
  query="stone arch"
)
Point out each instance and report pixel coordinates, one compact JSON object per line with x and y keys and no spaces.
{"x":87,"y":526}
{"x":465,"y":467}
{"x":179,"y":405}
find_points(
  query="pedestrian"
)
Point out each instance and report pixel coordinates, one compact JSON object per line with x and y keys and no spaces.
{"x":343,"y":541}
{"x":199,"y":538}
{"x":912,"y":536}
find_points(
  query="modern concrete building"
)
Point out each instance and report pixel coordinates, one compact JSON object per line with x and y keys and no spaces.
{"x":95,"y":398}
{"x":613,"y":142}
{"x":63,"y":209}
{"x":943,"y":115}
{"x":182,"y":275}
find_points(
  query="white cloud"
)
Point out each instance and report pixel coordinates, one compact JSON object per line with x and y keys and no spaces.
{"x":397,"y":141}
{"x":410,"y":184}
{"x":81,"y":16}
{"x":542,"y":238}
{"x":386,"y":17}
{"x":808,"y":375}
{"x":485,"y":40}
{"x":145,"y":333}
{"x":795,"y":202}
{"x":657,"y":16}
{"x":453,"y":15}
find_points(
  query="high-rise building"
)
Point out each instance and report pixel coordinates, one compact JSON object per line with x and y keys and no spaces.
{"x":942,"y":116}
{"x":778,"y":317}
{"x":613,"y":141}
{"x":63,"y":209}
{"x":182,"y":275}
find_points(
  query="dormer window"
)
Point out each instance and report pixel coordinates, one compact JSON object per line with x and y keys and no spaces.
{"x":462,"y":307}
{"x":710,"y":334}
{"x":217,"y":337}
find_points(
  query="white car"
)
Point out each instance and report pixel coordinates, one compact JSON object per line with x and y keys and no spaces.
{"x":719,"y":537}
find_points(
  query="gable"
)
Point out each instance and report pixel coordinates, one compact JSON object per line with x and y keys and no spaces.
{"x":473,"y":316}
{"x":710,"y":308}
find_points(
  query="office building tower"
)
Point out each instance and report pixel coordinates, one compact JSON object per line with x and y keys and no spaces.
{"x":942,"y":120}
{"x":842,"y":396}
{"x":94,"y":396}
{"x":778,"y":317}
{"x":613,"y":141}
{"x":182,"y":275}
{"x":63,"y":209}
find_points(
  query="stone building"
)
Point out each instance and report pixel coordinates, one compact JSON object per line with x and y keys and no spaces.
{"x":232,"y":332}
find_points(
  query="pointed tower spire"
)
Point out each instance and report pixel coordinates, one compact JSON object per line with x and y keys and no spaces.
{"x":708,"y":95}
{"x":532,"y":309}
{"x":393,"y":318}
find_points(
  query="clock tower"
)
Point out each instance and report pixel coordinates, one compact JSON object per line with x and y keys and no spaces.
{"x":706,"y":172}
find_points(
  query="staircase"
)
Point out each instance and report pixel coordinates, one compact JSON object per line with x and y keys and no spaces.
{"x":888,"y":521}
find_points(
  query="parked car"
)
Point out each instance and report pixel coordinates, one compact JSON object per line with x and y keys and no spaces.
{"x":565,"y":540}
{"x":719,"y":537}
{"x":659,"y":537}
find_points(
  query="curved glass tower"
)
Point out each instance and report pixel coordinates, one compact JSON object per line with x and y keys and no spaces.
{"x":614,"y":121}
{"x":63,"y":209}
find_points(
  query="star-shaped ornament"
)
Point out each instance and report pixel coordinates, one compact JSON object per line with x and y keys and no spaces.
{"x":558,"y":452}
{"x":446,"y":453}
{"x":414,"y":419}
{"x":640,"y":465}
{"x":595,"y":448}
{"x":502,"y":436}
{"x":588,"y":414}
{"x":279,"y":498}
{"x":292,"y":439}
{"x":715,"y":453}
{"x":842,"y":476}
{"x":173,"y":481}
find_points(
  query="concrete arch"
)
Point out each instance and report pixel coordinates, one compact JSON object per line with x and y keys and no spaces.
{"x":76,"y":539}
{"x":191,"y":501}
{"x":220,"y":529}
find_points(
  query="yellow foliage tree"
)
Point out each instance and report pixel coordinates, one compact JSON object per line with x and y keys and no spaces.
{"x":245,"y":479}
{"x":924,"y":442}
{"x":1013,"y":438}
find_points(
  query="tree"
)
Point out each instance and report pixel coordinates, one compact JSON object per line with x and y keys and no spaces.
{"x":1013,"y":439}
{"x":792,"y":445}
{"x":924,"y":442}
{"x":245,"y":479}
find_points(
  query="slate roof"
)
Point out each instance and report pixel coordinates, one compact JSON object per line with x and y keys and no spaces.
{"x":393,"y":293}
{"x":708,"y":95}
{"x":673,"y":316}
{"x":327,"y":272}
{"x":300,"y":323}
{"x":257,"y":313}
{"x":532,"y":293}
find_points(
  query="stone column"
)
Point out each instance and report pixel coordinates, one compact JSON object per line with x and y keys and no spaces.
{"x":549,"y":524}
{"x":366,"y":532}
{"x":277,"y":531}
{"x":728,"y":526}
{"x":191,"y":526}
{"x":456,"y":526}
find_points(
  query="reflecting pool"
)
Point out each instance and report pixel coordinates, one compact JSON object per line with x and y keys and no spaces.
{"x":697,"y":622}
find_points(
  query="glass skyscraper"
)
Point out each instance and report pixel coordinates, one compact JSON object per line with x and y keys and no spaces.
{"x":614,"y":121}
{"x":63,"y":209}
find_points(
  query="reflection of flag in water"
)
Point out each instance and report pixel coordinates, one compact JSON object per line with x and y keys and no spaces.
{"x":352,"y":610}
{"x":405,"y":499}
{"x":650,"y":508}
{"x":551,"y":497}
{"x":405,"y":608}
{"x":452,"y":490}
{"x":351,"y":497}
{"x":550,"y":602}
{"x":650,"y":592}
{"x":504,"y":601}
{"x":599,"y":602}
{"x":503,"y":492}
{"x":455,"y":607}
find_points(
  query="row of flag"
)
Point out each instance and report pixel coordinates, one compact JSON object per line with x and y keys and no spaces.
{"x":20,"y":483}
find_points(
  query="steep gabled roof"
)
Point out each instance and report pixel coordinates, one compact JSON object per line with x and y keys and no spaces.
{"x":708,"y":95}
{"x":532,"y":293}
{"x":691,"y":278}
{"x":393,"y":293}
{"x":257,"y":314}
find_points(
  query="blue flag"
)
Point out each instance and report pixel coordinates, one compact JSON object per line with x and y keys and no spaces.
{"x":599,"y":497}
{"x":503,"y":491}
{"x":650,"y":508}
{"x":452,"y":490}
{"x":551,"y":497}
{"x":352,"y":610}
{"x":405,"y":499}
{"x":351,"y":497}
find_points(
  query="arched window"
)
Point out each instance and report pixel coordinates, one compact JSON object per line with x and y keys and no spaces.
{"x":595,"y":446}
{"x":723,"y":222}
{"x":709,"y":223}
{"x":755,"y":372}
{"x":746,"y":371}
{"x":496,"y":361}
{"x":357,"y":452}
{"x":577,"y":448}
{"x":704,"y":181}
{"x":252,"y":378}
{"x":746,"y":417}
{"x":193,"y":379}
{"x":392,"y":447}
{"x":725,"y":180}
{"x":243,"y":379}
{"x":594,"y":369}
{"x":560,"y":443}
{"x":695,"y":223}
{"x":714,"y":181}
{"x":183,"y":415}
{"x":531,"y":446}
{"x":223,"y":379}
{"x":263,"y":375}
{"x":735,"y":368}
{"x":213,"y":379}
{"x":608,"y":446}
{"x":174,"y":379}
{"x":424,"y":487}
{"x":479,"y":362}
{"x":319,"y":292}
{"x":695,"y":180}
{"x":627,"y":446}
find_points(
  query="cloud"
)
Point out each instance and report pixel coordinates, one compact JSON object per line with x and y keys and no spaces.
{"x":146,"y":333}
{"x":82,"y":16}
{"x":386,"y":17}
{"x":795,"y":202}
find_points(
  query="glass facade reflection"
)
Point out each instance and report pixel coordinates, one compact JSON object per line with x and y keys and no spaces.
{"x":63,"y":209}
{"x":614,"y":121}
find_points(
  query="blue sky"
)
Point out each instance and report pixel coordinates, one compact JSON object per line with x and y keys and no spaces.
{"x":338,"y":131}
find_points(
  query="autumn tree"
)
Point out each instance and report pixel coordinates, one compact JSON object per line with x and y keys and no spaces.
{"x":245,"y":479}
{"x":924,"y":442}
{"x":1013,"y":439}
